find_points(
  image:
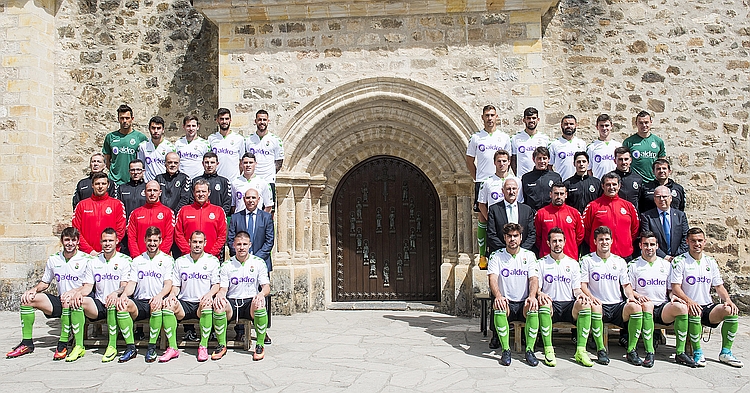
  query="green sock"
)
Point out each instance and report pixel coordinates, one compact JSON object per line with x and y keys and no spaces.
{"x":220,"y":327}
{"x":597,"y":329}
{"x":695,"y":329}
{"x":502,"y":329}
{"x":27,"y":321}
{"x":635,"y":324}
{"x":77,"y":321}
{"x":65,"y":325}
{"x":728,"y":331}
{"x":583,"y":323}
{"x":169,"y":321}
{"x":125,"y":322}
{"x":112,"y":326}
{"x":648,"y":331}
{"x":260,"y":320}
{"x":532,"y":328}
{"x":206,"y":321}
{"x":481,"y":237}
{"x":154,"y":326}
{"x":680,"y":333}
{"x":545,"y":324}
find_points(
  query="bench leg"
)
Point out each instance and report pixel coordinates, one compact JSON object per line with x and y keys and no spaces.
{"x":518,"y":335}
{"x":483,"y":318}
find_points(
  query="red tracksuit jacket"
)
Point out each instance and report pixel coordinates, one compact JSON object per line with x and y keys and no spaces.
{"x":148,"y":215}
{"x":207,"y":218}
{"x":93,"y":215}
{"x":566,"y":218}
{"x":619,"y":216}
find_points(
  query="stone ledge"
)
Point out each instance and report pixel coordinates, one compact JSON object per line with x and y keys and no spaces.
{"x":385,"y":305}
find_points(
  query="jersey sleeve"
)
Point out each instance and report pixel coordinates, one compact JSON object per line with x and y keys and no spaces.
{"x":576,"y":275}
{"x":107,"y":146}
{"x":215,"y":274}
{"x":584,"y":271}
{"x":624,"y":276}
{"x":471,"y":149}
{"x":513,"y":146}
{"x":48,"y":275}
{"x":176,"y":280}
{"x":267,"y":196}
{"x":493,"y":265}
{"x":141,"y":154}
{"x":716,"y":275}
{"x":483,"y":189}
{"x":224,"y":275}
{"x":88,"y":272}
{"x":263,"y":278}
{"x":676,"y":273}
{"x":662,"y":150}
{"x":279,"y":150}
{"x":128,"y":273}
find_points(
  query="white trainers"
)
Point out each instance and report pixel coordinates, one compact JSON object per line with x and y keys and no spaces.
{"x":728,"y":358}
{"x":699,"y":359}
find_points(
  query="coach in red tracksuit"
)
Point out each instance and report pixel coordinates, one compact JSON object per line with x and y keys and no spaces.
{"x":152,"y":214}
{"x":558,"y":214}
{"x":615,"y":213}
{"x":202,"y":216}
{"x":93,"y":215}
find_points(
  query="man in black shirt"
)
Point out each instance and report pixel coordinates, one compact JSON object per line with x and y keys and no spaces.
{"x":662,"y":171}
{"x":537,"y":184}
{"x":84,"y":189}
{"x":631,"y":183}
{"x":582,"y":187}
{"x":175,"y":185}
{"x":132,"y":195}
{"x":221,"y":190}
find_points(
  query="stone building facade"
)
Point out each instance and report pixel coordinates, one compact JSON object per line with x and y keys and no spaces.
{"x":346,"y":81}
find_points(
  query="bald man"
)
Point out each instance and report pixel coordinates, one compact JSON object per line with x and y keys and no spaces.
{"x":152,"y":214}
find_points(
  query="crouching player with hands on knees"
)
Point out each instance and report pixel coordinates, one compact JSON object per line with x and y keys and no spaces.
{"x":693,"y":275}
{"x":70,"y":267}
{"x":239,"y":297}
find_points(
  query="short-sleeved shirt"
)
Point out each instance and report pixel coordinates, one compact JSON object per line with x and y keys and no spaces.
{"x":108,"y":275}
{"x":191,"y":155}
{"x":151,"y":274}
{"x":558,"y":279}
{"x":229,"y":149}
{"x":267,"y":150}
{"x":482,"y":146}
{"x":491,"y":190}
{"x":602,"y":157}
{"x":122,"y":149}
{"x":513,"y":272}
{"x":240,"y":186}
{"x":645,"y":151}
{"x":561,"y":153}
{"x":605,"y":276}
{"x":650,"y":279}
{"x":69,"y":274}
{"x":696,"y":277}
{"x":242,"y":279}
{"x":195,"y":278}
{"x":154,"y":157}
{"x":522,"y":146}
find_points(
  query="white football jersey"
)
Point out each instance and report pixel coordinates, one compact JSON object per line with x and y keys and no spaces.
{"x":240,"y":186}
{"x":70,"y":274}
{"x":482,"y":146}
{"x":604,"y":276}
{"x":108,"y":275}
{"x":267,"y":151}
{"x":491,"y":190}
{"x":651,"y":279}
{"x":696,"y":277}
{"x":561,"y":152}
{"x":243,"y":279}
{"x":150,"y":274}
{"x":191,"y":155}
{"x":229,"y":150}
{"x":523,"y":147}
{"x":513,"y":272}
{"x":602,"y":157}
{"x":195,"y":278}
{"x":154,"y":157}
{"x":558,"y":279}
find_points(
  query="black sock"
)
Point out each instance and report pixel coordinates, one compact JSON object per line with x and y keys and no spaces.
{"x":61,"y":346}
{"x":28,"y":342}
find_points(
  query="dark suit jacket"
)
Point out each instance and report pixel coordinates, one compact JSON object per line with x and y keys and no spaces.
{"x":496,"y":219}
{"x":262,"y":241}
{"x":651,"y":221}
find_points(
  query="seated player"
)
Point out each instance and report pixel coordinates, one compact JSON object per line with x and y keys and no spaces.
{"x":240,"y":278}
{"x":602,"y":275}
{"x":561,"y":299}
{"x":196,"y":281}
{"x":111,"y":272}
{"x":513,"y":276}
{"x":150,"y":284}
{"x":649,"y":276}
{"x":70,"y":268}
{"x":693,"y":275}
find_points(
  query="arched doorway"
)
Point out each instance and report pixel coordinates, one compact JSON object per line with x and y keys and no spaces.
{"x":386,"y":233}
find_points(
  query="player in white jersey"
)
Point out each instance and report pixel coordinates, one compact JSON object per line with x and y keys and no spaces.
{"x":268,"y":149}
{"x":196,"y":281}
{"x":249,"y":179}
{"x":693,"y":275}
{"x":111,"y":272}
{"x":602,"y":276}
{"x":561,"y":299}
{"x":525,"y":142}
{"x":649,"y":276}
{"x":514,"y":282}
{"x":149,"y":284}
{"x":227,"y":145}
{"x":563,"y":150}
{"x":480,"y":153}
{"x":241,"y":277}
{"x":70,"y":269}
{"x":602,"y":150}
{"x":153,"y":152}
{"x":191,"y":148}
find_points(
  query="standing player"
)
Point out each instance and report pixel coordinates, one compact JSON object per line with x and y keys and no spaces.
{"x":84,"y":188}
{"x":582,"y":187}
{"x":248,"y":180}
{"x":221,"y":190}
{"x":562,"y":151}
{"x":176,"y":186}
{"x":133,"y":195}
{"x":559,"y":215}
{"x":483,"y":145}
{"x":120,"y":147}
{"x":602,"y":150}
{"x":70,"y":267}
{"x":693,"y":275}
{"x":613,"y":212}
{"x":191,"y":148}
{"x":524,"y":143}
{"x":631,"y":184}
{"x":645,"y":147}
{"x":94,"y":214}
{"x":268,"y":150}
{"x":537,"y":183}
{"x":153,"y":152}
{"x":227,"y":145}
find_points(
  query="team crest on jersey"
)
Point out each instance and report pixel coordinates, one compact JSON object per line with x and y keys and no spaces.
{"x":132,"y":141}
{"x":205,"y":267}
{"x":76,"y":266}
{"x":653,"y":145}
{"x":115,"y":266}
{"x":568,"y":219}
{"x":592,"y":188}
{"x":177,"y":184}
{"x":143,"y":193}
{"x":567,"y":269}
{"x":217,"y":187}
{"x":550,"y":183}
{"x":674,"y":194}
{"x":623,"y":211}
{"x":212,"y":216}
{"x":635,"y":185}
{"x":160,"y":216}
{"x":636,"y":154}
{"x":708,"y":268}
{"x":115,"y":150}
{"x":268,"y":143}
{"x":108,"y":210}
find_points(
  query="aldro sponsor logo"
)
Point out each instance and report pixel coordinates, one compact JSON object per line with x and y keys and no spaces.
{"x":692,"y":280}
{"x":606,"y":277}
{"x":607,"y":157}
{"x":242,"y":280}
{"x":106,"y":276}
{"x":482,"y":147}
{"x":265,"y":152}
{"x":149,"y":273}
{"x":558,"y":278}
{"x":193,"y":276}
{"x":187,"y":154}
{"x":495,"y":195}
{"x":123,"y":150}
{"x":150,"y":160}
{"x":643,"y":154}
{"x":642,"y":282}
{"x":224,"y":150}
{"x":514,"y":272}
{"x":65,"y":277}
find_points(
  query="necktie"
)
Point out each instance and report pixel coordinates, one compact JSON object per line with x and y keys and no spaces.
{"x":667,"y":230}
{"x":512,"y":217}
{"x":250,"y":224}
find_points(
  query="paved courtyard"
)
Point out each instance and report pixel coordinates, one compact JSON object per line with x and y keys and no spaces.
{"x":364,"y":351}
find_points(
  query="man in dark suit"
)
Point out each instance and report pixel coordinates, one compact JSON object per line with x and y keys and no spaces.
{"x":498,"y":216}
{"x":669,"y":224}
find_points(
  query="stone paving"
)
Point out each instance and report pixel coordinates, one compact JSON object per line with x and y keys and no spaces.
{"x":364,"y":351}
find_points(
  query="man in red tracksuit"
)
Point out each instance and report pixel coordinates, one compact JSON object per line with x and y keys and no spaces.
{"x":558,"y":214}
{"x":152,"y":214}
{"x":93,"y":215}
{"x":616,"y":214}
{"x":202,"y":216}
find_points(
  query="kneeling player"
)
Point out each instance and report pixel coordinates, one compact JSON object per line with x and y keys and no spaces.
{"x":513,"y":276}
{"x":70,"y":268}
{"x":693,"y":275}
{"x":561,"y":298}
{"x":649,"y":276}
{"x":239,"y":296}
{"x":602,"y":275}
{"x":196,"y":281}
